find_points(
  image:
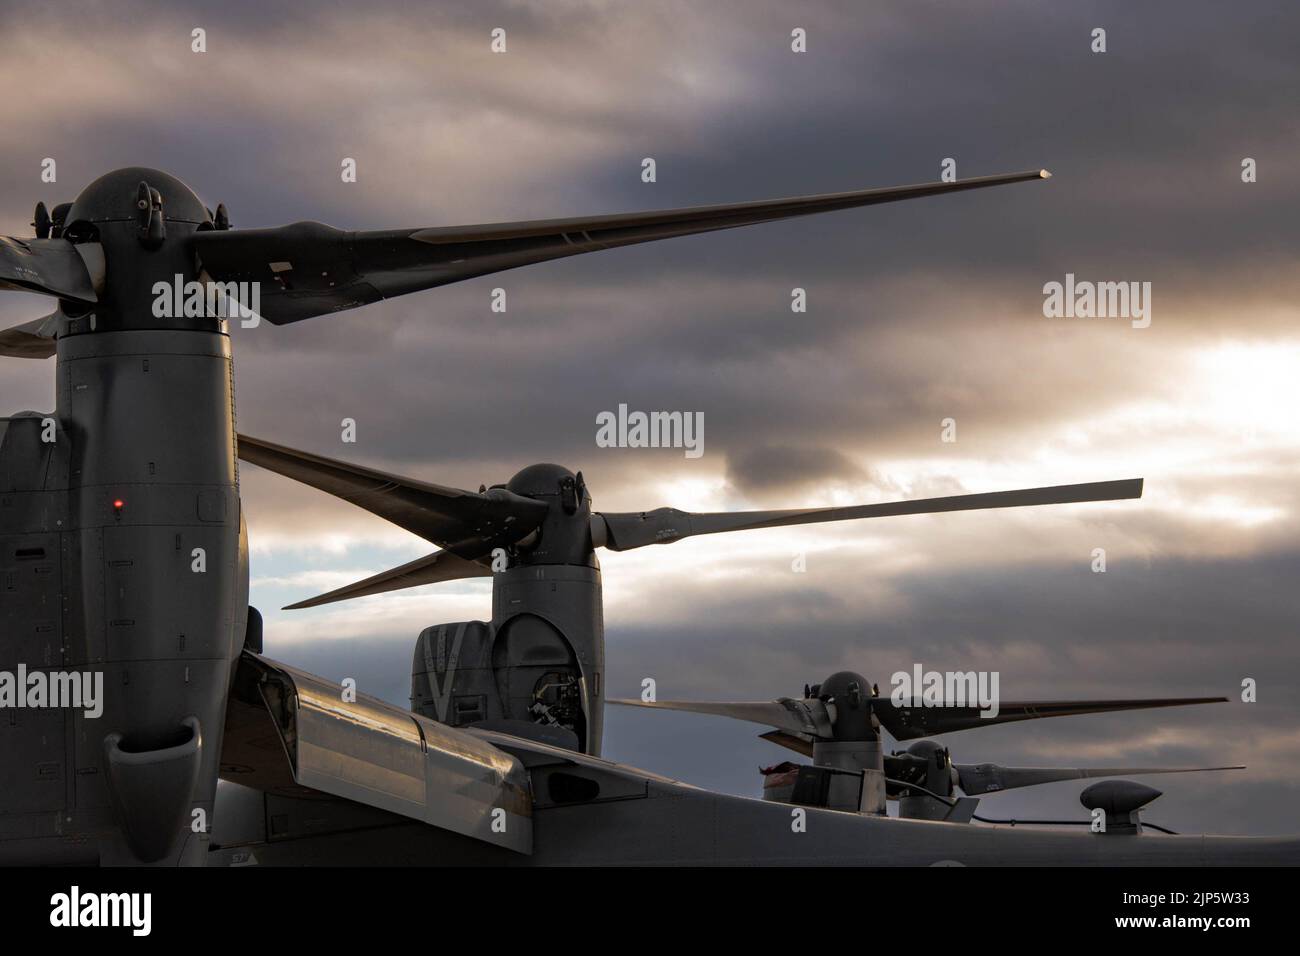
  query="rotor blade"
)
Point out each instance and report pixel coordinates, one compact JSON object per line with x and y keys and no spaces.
{"x":52,"y":267}
{"x":432,"y":568}
{"x":910,"y":722}
{"x":799,"y":743}
{"x":467,"y":523}
{"x":792,"y":716}
{"x":33,"y":339}
{"x":976,"y":779}
{"x":627,"y":530}
{"x":308,"y":269}
{"x":962,"y":811}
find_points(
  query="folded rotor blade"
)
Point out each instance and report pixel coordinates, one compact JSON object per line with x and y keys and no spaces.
{"x":439,"y":566}
{"x":308,"y":269}
{"x":467,"y":523}
{"x":799,"y":743}
{"x":52,"y":267}
{"x":627,"y":530}
{"x":33,"y":339}
{"x":976,"y":779}
{"x":792,"y":716}
{"x":911,"y":722}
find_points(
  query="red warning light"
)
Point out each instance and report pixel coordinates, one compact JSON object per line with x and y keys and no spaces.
{"x":118,"y":504}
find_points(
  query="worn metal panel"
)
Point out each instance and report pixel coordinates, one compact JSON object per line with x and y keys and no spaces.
{"x":379,"y":755}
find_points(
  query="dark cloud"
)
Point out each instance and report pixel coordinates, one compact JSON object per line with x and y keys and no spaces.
{"x":769,"y":467}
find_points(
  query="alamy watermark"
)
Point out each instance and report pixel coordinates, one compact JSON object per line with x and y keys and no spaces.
{"x":1084,"y":299}
{"x":76,"y":909}
{"x":221,"y":300}
{"x":63,"y":689}
{"x":624,"y":429}
{"x":922,"y":688}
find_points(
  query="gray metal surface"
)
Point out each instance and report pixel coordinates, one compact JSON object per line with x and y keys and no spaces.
{"x":636,"y":818}
{"x":381,"y":756}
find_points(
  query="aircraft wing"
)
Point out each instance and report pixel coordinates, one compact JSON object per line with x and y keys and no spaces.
{"x":287,"y":730}
{"x":308,"y":268}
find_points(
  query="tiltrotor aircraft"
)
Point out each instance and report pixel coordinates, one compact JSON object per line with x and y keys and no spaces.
{"x":541,"y":660}
{"x":123,"y":553}
{"x":838,"y":724}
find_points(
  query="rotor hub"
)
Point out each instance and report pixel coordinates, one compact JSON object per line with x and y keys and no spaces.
{"x":112,"y":198}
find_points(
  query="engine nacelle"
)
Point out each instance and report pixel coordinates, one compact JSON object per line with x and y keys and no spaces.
{"x":451,"y":673}
{"x":521,"y":678}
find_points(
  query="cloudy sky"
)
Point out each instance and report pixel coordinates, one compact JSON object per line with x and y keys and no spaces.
{"x":917,"y":312}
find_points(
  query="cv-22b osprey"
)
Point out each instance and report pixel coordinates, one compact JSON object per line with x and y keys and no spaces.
{"x":123,"y":552}
{"x":839,"y":724}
